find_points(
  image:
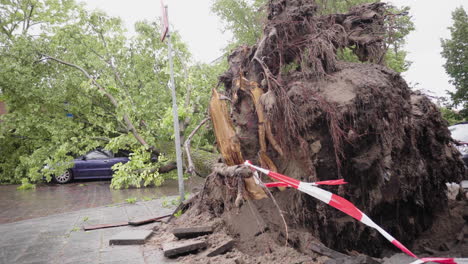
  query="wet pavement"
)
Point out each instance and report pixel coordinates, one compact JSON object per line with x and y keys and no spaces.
{"x":49,"y":199}
{"x":60,"y":238}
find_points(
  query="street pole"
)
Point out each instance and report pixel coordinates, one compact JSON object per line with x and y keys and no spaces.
{"x":175,"y":113}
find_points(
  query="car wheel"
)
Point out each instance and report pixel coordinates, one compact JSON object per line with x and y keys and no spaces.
{"x":63,"y":178}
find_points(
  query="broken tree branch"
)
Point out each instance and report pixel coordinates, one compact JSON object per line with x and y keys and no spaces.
{"x":112,"y":99}
{"x":164,"y":169}
{"x":191,"y":166}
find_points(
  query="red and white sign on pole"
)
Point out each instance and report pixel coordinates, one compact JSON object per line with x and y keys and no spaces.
{"x":164,"y":21}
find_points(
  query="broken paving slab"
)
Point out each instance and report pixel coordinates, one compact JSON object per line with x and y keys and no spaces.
{"x":192,"y":232}
{"x":131,"y":237}
{"x":178,"y":248}
{"x":222,"y":249}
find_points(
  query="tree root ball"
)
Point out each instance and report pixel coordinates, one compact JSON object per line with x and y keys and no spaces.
{"x":333,"y":119}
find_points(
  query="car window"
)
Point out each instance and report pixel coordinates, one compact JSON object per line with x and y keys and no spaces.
{"x":459,"y":132}
{"x":98,"y":154}
{"x":107,"y":152}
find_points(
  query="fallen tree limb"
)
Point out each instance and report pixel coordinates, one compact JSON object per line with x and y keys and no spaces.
{"x":191,"y":167}
{"x":111,"y":98}
{"x":164,"y":169}
{"x":133,"y":223}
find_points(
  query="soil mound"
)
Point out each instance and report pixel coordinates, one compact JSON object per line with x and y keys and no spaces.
{"x":296,"y":109}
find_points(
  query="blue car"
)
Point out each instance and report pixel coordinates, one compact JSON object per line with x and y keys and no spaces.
{"x":97,"y":164}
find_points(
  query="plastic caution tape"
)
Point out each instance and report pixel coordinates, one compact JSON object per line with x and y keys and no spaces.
{"x":282,"y":184}
{"x":442,"y":260}
{"x":345,"y":206}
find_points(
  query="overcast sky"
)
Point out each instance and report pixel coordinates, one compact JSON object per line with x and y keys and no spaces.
{"x":201,"y":30}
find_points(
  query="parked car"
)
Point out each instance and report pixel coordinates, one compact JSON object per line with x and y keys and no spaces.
{"x":96,"y":164}
{"x":460,"y":134}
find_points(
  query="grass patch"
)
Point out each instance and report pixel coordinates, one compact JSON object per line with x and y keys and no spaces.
{"x":26,"y":185}
{"x":131,"y":200}
{"x":146,"y":198}
{"x":178,"y":214}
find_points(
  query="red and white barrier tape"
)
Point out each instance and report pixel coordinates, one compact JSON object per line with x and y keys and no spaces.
{"x":442,"y":260}
{"x":343,"y":205}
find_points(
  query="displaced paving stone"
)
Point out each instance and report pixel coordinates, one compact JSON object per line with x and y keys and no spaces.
{"x":174,"y":249}
{"x":191,"y":232}
{"x":222,"y":249}
{"x":131,"y":237}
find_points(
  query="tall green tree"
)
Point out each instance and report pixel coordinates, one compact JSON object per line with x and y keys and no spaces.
{"x":244,"y":19}
{"x":241,"y":17}
{"x":455,"y":51}
{"x":76,"y":81}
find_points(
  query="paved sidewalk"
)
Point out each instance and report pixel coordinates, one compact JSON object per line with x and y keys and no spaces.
{"x":60,"y":238}
{"x":50,"y":199}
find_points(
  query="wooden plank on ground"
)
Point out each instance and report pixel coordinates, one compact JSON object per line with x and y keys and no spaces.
{"x":94,"y":227}
{"x":145,"y":221}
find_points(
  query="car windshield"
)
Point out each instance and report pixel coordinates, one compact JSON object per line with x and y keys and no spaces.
{"x":99,"y":154}
{"x":460,"y":132}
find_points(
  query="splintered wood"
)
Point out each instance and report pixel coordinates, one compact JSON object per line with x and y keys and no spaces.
{"x":264,"y":127}
{"x":228,"y":143}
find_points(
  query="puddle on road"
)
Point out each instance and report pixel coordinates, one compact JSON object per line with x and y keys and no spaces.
{"x":48,"y":199}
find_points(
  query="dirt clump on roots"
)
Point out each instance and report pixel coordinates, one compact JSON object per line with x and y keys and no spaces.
{"x":296,"y":109}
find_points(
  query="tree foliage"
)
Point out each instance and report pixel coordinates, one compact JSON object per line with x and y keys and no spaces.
{"x":74,"y":80}
{"x":243,"y":18}
{"x":455,"y":51}
{"x":451,"y":116}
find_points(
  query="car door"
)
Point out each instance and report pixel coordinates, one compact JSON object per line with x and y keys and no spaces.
{"x":95,"y":164}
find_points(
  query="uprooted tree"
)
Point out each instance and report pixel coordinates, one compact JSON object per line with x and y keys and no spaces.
{"x":291,"y":106}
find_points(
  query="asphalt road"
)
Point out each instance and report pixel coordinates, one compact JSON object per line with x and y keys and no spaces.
{"x":49,"y":199}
